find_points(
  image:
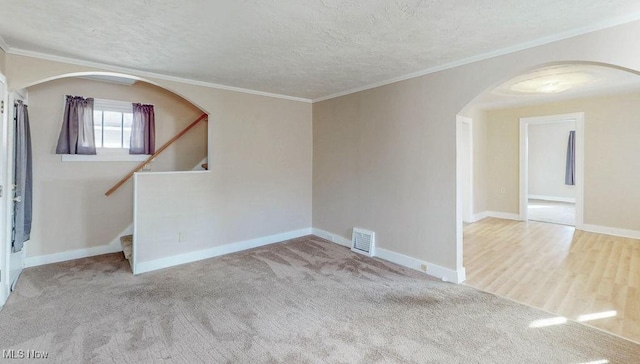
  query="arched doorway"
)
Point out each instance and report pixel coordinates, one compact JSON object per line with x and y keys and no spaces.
{"x":114,"y":215}
{"x":550,"y":266}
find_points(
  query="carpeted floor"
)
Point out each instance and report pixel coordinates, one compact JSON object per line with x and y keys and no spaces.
{"x":305,"y":300}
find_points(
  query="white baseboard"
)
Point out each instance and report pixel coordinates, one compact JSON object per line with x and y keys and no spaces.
{"x":434,"y":270}
{"x":332,"y":237}
{"x":4,"y":293}
{"x":503,"y":215}
{"x":552,"y":198}
{"x":479,"y":216}
{"x":112,"y":247}
{"x":497,"y":214}
{"x":633,"y":234}
{"x":446,"y":274}
{"x":149,"y":266}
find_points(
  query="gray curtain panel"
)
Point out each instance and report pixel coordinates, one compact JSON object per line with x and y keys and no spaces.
{"x":77,"y":133}
{"x":570,"y":171}
{"x":143,"y":130}
{"x":22,"y":178}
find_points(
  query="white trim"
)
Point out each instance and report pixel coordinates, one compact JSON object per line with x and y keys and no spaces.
{"x":78,"y":62}
{"x":434,"y":270}
{"x":332,"y":237}
{"x":103,"y":156}
{"x":479,"y":216}
{"x":524,"y":161}
{"x":502,"y":215}
{"x":460,"y":120}
{"x":632,"y":234}
{"x":112,"y":247}
{"x":499,"y":52}
{"x":133,"y":262}
{"x":552,"y":198}
{"x":460,"y":218}
{"x":14,"y":262}
{"x":4,"y":293}
{"x":609,"y":23}
{"x":113,"y":105}
{"x":446,"y":274}
{"x":5,"y":204}
{"x":580,"y":155}
{"x":173,"y":172}
{"x":4,"y":46}
{"x":144,"y":267}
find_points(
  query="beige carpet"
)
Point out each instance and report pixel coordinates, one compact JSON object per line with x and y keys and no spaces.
{"x":306,"y":300}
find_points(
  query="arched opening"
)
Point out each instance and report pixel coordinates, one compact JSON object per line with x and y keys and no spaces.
{"x":92,"y":222}
{"x":553,"y":139}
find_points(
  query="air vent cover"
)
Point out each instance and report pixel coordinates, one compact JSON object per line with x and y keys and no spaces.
{"x":363,"y":241}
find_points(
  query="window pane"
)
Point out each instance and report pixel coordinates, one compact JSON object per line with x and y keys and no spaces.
{"x":97,"y":127}
{"x":112,"y":129}
{"x":126,"y":130}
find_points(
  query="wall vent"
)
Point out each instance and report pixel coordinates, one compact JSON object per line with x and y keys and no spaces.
{"x":363,"y":241}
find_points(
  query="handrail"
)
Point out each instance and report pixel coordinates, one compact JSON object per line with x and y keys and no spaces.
{"x":162,"y":148}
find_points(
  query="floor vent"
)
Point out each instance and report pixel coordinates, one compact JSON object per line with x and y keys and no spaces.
{"x":363,"y":241}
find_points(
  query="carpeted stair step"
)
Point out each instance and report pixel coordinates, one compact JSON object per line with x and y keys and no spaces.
{"x":127,"y":248}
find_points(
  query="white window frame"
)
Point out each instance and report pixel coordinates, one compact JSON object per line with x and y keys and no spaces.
{"x":108,"y":154}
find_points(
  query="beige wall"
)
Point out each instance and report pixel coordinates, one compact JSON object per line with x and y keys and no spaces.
{"x":259,"y":184}
{"x":259,"y":157}
{"x":70,"y":208}
{"x":384,"y":158}
{"x":611,"y":168}
{"x":547,"y":154}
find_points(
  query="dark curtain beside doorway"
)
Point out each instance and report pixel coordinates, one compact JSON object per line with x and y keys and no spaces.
{"x":570,"y":172}
{"x":23,"y":178}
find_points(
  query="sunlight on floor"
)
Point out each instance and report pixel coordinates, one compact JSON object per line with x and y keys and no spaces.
{"x":552,"y":211}
{"x":548,"y":322}
{"x":552,"y":321}
{"x":597,"y":316}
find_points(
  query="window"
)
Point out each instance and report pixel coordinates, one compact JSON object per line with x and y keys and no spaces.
{"x":112,"y":123}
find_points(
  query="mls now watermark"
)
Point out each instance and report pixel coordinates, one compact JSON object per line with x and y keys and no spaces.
{"x":24,"y":354}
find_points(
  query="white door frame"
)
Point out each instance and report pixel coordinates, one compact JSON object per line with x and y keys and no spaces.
{"x":459,"y":218}
{"x":524,"y":160}
{"x":15,"y":263}
{"x":460,"y":121}
{"x":5,"y":233}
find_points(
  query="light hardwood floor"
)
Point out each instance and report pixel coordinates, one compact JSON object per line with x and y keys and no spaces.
{"x":558,"y":269}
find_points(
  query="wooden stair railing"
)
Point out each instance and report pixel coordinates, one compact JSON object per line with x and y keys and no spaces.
{"x":162,"y":148}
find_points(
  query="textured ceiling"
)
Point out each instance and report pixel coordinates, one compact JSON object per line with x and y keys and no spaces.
{"x":299,"y":48}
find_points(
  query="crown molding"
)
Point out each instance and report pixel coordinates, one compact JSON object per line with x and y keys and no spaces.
{"x":135,"y":72}
{"x":499,"y":52}
{"x":3,"y":45}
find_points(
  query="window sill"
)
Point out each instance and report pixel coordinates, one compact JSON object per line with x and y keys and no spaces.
{"x":116,"y":155}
